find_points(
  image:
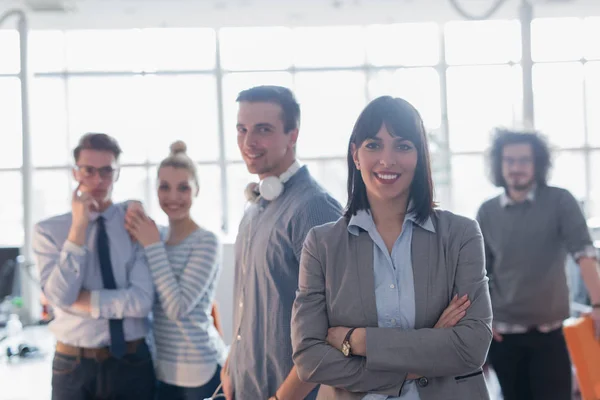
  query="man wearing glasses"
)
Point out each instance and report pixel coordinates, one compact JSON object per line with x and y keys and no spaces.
{"x":528,"y":231}
{"x":99,"y":285}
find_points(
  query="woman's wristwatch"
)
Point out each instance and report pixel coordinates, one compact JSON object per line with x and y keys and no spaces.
{"x":346,"y":348}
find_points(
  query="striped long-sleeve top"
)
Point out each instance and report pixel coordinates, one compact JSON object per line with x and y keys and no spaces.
{"x":188,"y":346}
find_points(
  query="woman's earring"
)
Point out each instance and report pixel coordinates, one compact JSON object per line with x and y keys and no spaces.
{"x":358,"y":165}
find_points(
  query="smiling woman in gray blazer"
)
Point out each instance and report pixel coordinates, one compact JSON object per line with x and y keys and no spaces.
{"x":393,"y":299}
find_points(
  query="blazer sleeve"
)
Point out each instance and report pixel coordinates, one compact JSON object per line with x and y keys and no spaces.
{"x":447,"y":351}
{"x":315,"y":360}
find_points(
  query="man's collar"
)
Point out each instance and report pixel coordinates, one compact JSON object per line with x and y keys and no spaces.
{"x":506,"y":201}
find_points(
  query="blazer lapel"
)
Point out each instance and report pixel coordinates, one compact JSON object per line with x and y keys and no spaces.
{"x":420,"y":253}
{"x":363,"y":262}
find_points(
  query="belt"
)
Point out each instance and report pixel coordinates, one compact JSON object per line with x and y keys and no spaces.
{"x":99,"y":354}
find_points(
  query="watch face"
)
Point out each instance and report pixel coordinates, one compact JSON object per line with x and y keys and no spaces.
{"x":346,"y":348}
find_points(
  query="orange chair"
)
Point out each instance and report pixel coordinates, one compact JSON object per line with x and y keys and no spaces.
{"x":584,"y":349}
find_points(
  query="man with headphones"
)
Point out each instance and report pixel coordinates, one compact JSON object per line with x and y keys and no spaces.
{"x":283,"y":207}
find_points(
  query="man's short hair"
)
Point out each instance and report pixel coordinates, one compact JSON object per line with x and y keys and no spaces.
{"x":98,"y":142}
{"x":279,"y":95}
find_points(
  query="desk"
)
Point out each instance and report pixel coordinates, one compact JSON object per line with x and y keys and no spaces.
{"x":28,"y":378}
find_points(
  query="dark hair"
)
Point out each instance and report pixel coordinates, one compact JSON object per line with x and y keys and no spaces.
{"x":99,"y":142}
{"x":402,"y":120}
{"x":540,"y":149}
{"x":277,"y":95}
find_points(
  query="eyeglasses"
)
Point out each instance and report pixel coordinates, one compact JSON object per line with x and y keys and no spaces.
{"x":522,"y":161}
{"x":107,"y":172}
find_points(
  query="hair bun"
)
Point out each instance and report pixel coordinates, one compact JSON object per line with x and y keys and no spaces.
{"x":178,"y":147}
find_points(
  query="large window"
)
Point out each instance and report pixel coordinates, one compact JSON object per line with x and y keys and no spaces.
{"x":149,"y":87}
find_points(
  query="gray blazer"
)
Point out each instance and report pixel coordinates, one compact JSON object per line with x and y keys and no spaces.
{"x":336,"y":288}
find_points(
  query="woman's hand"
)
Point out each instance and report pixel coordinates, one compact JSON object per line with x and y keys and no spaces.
{"x":141,"y":227}
{"x":455,"y":311}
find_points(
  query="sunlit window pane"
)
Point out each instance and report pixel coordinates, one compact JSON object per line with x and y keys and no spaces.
{"x":50,"y":143}
{"x":594,"y":206}
{"x":482,"y":42}
{"x":11,"y":209}
{"x":470,"y":184}
{"x":133,"y":184}
{"x":9,"y":51}
{"x":112,"y":105}
{"x":10,"y":123}
{"x":558,"y":101}
{"x":234,"y":83}
{"x":238,"y":178}
{"x":206,"y":209}
{"x":51,"y":193}
{"x":47,"y":51}
{"x":180,"y":108}
{"x":403,"y":44}
{"x":557,"y":39}
{"x":568,"y":172}
{"x":329,"y":46}
{"x":178,"y":49}
{"x":331,"y":103}
{"x":480,"y":99}
{"x":104,"y":50}
{"x":419,"y":86}
{"x":261,"y":48}
{"x":332,"y":175}
{"x":591,"y":33}
{"x":592,"y":81}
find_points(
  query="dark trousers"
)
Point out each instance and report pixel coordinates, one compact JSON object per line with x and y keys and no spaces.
{"x":532,"y":366}
{"x":78,"y":378}
{"x":167,"y":391}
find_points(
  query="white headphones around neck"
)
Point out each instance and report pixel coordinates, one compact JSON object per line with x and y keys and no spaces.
{"x":271,"y":187}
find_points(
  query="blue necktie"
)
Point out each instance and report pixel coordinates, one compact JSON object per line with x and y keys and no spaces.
{"x":115,"y":326}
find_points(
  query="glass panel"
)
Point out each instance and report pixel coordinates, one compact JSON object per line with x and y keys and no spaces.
{"x":470,"y":184}
{"x":50,"y":143}
{"x":591,"y":33}
{"x":482,"y":42}
{"x":11,"y":209}
{"x":332,"y":175}
{"x":10,"y":123}
{"x":206,"y":209}
{"x":238,"y":178}
{"x":568,"y":171}
{"x":592,"y":82}
{"x":132,"y":185}
{"x":261,"y":48}
{"x":104,"y":50}
{"x":557,"y":39}
{"x":52,"y":192}
{"x":397,"y":44}
{"x":558,"y":101}
{"x":178,"y":49}
{"x":480,"y":99}
{"x":594,"y":206}
{"x":180,"y":108}
{"x":232,"y":85}
{"x":47,"y":51}
{"x":328,"y":116}
{"x":9,"y":49}
{"x":113,"y":105}
{"x":329,"y":46}
{"x":419,"y":86}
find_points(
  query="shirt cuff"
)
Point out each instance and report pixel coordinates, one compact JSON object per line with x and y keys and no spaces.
{"x":153,"y":246}
{"x":95,"y":304}
{"x":588,"y":251}
{"x":71,"y":247}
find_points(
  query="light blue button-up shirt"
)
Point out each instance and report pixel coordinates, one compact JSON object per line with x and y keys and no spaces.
{"x":66,"y":269}
{"x":394,"y":283}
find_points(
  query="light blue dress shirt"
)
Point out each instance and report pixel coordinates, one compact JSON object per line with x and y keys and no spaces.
{"x":66,"y":269}
{"x":394,"y":283}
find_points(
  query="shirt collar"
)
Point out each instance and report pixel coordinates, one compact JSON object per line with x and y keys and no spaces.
{"x":363,"y":220}
{"x":506,"y":201}
{"x":110,"y":212}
